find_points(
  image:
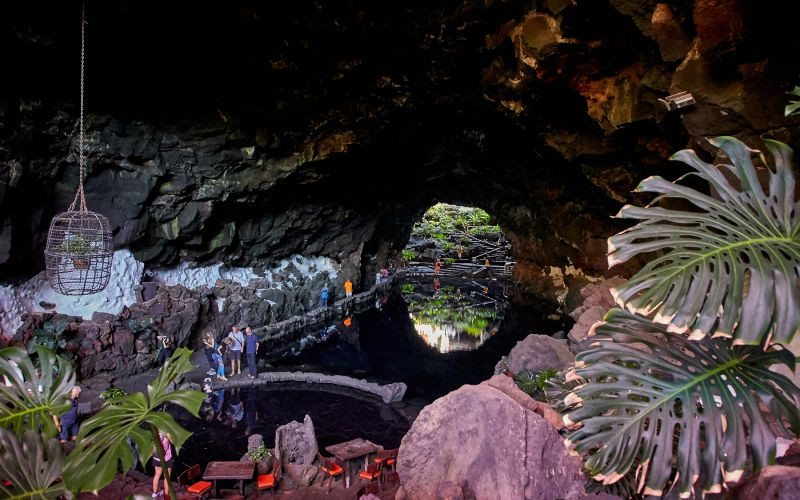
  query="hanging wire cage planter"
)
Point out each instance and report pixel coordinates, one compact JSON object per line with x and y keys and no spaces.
{"x":78,"y":254}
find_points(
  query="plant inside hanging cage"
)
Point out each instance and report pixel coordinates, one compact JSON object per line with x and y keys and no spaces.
{"x":78,"y":254}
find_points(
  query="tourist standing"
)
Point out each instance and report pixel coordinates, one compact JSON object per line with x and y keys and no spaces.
{"x":323,"y":296}
{"x":67,"y":425}
{"x":384,"y":274}
{"x":237,"y":342}
{"x":219,"y":359}
{"x":459,"y":250}
{"x":208,"y":343}
{"x":166,"y":444}
{"x":436,"y":267}
{"x":250,"y":350}
{"x":348,"y":288}
{"x":166,"y":350}
{"x":378,"y":278}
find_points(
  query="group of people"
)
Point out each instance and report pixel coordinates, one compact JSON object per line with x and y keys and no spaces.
{"x":325,"y":293}
{"x":232,"y":346}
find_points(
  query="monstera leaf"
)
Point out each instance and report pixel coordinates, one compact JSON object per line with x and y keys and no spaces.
{"x":102,"y":443}
{"x":729,"y":269}
{"x":31,"y":467}
{"x":671,"y":410}
{"x":29,"y":399}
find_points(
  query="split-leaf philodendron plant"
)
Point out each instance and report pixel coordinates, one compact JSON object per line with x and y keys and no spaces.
{"x":32,"y":464}
{"x":676,"y":392}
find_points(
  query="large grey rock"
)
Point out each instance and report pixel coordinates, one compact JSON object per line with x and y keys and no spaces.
{"x":482,"y":434}
{"x":539,"y":352}
{"x":296,"y":448}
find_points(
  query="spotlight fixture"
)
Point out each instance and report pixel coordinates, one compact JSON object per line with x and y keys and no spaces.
{"x":677,"y":101}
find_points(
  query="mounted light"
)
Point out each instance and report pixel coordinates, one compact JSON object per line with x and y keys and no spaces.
{"x":677,"y":101}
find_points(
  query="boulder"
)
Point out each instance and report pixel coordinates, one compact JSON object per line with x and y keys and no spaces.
{"x":538,"y":353}
{"x":673,"y":42}
{"x":296,"y":448}
{"x":597,"y":300}
{"x":482,"y":435}
{"x":776,"y":482}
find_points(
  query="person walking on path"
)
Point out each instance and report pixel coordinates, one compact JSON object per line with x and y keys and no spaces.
{"x":323,"y":296}
{"x":436,"y":267}
{"x":250,"y":350}
{"x":348,"y":288}
{"x":459,"y":250}
{"x":219,"y":359}
{"x":67,"y":425}
{"x":237,"y":342}
{"x":208,"y":343}
{"x":166,"y":443}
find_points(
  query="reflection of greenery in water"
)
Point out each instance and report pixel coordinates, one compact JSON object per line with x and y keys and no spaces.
{"x":450,"y":313}
{"x":442,"y":218}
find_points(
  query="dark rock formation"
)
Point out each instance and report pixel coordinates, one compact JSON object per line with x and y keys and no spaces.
{"x":247,"y":132}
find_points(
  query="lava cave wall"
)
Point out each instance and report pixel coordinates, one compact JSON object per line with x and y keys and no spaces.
{"x":250,"y":131}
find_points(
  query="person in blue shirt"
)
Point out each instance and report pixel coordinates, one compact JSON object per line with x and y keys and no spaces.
{"x":250,"y":350}
{"x":324,"y":296}
{"x":219,"y":358}
{"x":67,"y":425}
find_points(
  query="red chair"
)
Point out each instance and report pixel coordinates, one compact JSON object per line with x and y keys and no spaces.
{"x":198,"y":489}
{"x":270,"y":481}
{"x":331,"y":468}
{"x":387,"y":457}
{"x":372,"y":472}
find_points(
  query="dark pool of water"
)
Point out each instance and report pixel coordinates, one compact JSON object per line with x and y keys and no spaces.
{"x":383,"y":345}
{"x":338,"y":415}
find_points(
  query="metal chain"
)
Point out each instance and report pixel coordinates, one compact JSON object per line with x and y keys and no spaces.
{"x":80,"y":195}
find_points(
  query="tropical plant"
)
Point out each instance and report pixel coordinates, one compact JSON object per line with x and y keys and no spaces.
{"x":651,"y":395}
{"x":407,"y":288}
{"x":659,"y":409}
{"x":51,"y":336}
{"x":259,"y":453}
{"x":30,"y":455}
{"x":112,"y":393}
{"x":727,"y":268}
{"x":408,"y":255}
{"x":76,"y":245}
{"x":102,"y":444}
{"x":533,"y":384}
{"x":30,"y":396}
{"x":30,"y":466}
{"x":793,"y":107}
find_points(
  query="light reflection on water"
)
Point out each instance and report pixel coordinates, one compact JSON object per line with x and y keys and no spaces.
{"x":459,"y":317}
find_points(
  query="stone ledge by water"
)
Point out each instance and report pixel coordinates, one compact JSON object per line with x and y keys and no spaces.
{"x":390,"y":393}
